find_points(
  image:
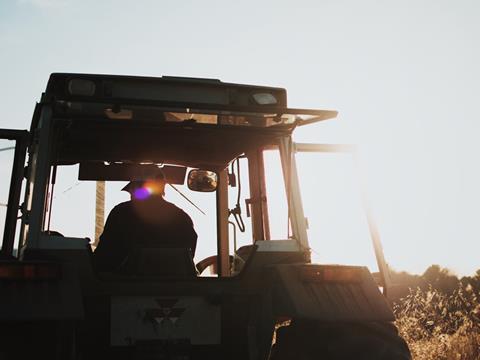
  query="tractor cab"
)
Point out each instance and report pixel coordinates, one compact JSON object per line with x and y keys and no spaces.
{"x":209,"y":141}
{"x":118,"y":129}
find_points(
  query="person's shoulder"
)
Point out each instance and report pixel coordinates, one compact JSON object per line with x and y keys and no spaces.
{"x":172,"y":206}
{"x":122,"y":207}
{"x":175,"y":208}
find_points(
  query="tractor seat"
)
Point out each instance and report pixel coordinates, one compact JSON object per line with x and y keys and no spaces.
{"x":159,"y":262}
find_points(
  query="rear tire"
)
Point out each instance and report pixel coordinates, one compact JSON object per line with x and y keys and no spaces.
{"x":322,"y":341}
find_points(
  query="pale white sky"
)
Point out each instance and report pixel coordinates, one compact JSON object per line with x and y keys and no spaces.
{"x":404,"y":76}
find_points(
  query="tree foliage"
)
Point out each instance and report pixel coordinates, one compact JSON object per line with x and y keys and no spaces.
{"x":435,"y":277}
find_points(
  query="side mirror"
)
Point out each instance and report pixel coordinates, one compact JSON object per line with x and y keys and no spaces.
{"x":202,"y":180}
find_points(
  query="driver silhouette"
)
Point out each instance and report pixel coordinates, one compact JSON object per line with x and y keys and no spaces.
{"x":148,"y":221}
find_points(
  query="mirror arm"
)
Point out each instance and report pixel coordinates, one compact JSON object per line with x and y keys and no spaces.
{"x":186,"y":198}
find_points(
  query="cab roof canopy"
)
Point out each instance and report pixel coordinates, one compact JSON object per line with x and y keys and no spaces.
{"x":187,"y":121}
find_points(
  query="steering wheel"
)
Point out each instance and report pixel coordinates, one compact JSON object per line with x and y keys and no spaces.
{"x":210,"y":261}
{"x":205,"y":263}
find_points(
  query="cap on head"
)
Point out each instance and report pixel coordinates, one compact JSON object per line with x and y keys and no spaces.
{"x":132,"y":186}
{"x":142,"y":189}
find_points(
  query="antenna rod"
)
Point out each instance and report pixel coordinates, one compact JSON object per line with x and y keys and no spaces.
{"x":186,"y":198}
{"x":8,"y":148}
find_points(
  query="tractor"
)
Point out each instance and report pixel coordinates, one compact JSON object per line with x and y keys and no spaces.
{"x":254,"y":299}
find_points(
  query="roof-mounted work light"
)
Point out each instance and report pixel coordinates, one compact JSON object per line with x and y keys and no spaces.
{"x":264,"y":99}
{"x":81,"y":87}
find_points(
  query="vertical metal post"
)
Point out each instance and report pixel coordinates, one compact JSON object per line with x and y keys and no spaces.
{"x":263,"y":192}
{"x":223,"y":258}
{"x":377,"y":246}
{"x":374,"y":233}
{"x":256,"y":196}
{"x":99,"y":210}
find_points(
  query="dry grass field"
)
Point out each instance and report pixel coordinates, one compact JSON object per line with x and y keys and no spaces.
{"x":439,"y":326}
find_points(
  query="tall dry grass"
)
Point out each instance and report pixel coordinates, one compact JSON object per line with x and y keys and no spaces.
{"x":440,"y":326}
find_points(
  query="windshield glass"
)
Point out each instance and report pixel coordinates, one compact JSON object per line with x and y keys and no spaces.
{"x":256,"y":120}
{"x":74,"y":202}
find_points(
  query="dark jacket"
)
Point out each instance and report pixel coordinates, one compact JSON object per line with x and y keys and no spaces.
{"x":149,"y":223}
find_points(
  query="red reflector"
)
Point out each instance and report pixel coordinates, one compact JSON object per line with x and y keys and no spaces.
{"x":29,"y":271}
{"x":331,"y":274}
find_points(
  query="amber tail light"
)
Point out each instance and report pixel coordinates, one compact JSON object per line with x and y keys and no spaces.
{"x":339,"y":274}
{"x":29,"y":271}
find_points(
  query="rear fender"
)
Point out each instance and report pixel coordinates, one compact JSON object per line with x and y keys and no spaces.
{"x":327,"y":293}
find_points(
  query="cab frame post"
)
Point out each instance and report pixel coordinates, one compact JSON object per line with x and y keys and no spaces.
{"x":21,"y":142}
{"x":292,"y":185}
{"x":257,"y":201}
{"x":39,"y":168}
{"x":223,"y":257}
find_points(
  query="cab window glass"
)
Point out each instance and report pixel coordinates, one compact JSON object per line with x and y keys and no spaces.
{"x":205,"y":223}
{"x":337,"y":224}
{"x":6,"y":165}
{"x":276,"y":196}
{"x":72,"y":205}
{"x":240,"y":225}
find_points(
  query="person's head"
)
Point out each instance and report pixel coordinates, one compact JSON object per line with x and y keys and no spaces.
{"x":144,"y":189}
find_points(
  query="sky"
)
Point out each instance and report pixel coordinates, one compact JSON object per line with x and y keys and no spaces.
{"x":403,"y":75}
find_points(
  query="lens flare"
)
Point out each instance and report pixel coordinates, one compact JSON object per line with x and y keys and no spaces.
{"x":142,"y":193}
